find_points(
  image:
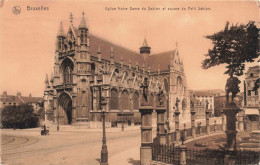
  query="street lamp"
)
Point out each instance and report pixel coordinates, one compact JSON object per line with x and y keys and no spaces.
{"x":58,"y":123}
{"x":104,"y":152}
{"x":122,"y":120}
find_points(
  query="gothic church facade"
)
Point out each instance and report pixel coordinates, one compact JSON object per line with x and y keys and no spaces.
{"x":87,"y":68}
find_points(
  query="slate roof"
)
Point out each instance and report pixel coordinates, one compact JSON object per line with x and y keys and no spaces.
{"x":161,"y":60}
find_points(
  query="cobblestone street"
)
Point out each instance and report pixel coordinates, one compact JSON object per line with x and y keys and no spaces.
{"x":79,"y":146}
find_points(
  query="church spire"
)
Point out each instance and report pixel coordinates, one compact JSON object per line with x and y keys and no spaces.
{"x":145,"y":43}
{"x":61,"y":31}
{"x":82,"y":24}
{"x":145,"y":50}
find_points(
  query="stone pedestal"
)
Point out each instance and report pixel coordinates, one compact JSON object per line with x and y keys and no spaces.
{"x":177,"y":125}
{"x":193,"y":127}
{"x":207,"y":121}
{"x":161,"y":132}
{"x":146,"y":135}
{"x":230,"y":111}
{"x":183,"y":150}
{"x":240,"y":121}
{"x":223,"y":122}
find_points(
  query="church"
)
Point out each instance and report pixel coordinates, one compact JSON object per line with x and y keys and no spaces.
{"x":88,"y":68}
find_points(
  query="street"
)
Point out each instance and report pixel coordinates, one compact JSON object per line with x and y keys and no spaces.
{"x":69,"y":146}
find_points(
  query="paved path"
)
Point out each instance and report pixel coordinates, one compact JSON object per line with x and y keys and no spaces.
{"x":69,"y":146}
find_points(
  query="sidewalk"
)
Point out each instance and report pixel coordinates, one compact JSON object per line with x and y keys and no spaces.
{"x":130,"y":156}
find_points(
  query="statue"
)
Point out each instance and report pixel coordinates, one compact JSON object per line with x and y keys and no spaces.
{"x":160,"y":96}
{"x":207,"y":104}
{"x":177,"y":103}
{"x":191,"y":104}
{"x":145,"y":90}
{"x":232,"y":86}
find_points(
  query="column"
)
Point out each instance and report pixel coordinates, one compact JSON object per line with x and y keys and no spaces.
{"x":207,"y":121}
{"x":223,"y":122}
{"x":193,"y":128}
{"x":240,"y":121}
{"x":183,"y":150}
{"x":161,"y":133}
{"x":230,"y":111}
{"x":146,"y":135}
{"x":177,"y":125}
{"x":215,"y":125}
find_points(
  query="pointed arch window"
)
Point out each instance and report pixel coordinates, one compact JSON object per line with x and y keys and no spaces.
{"x":67,"y":71}
{"x":136,"y":101}
{"x":114,"y":100}
{"x":125,"y":100}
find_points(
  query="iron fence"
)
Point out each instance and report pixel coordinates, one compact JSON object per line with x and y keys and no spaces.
{"x":165,"y":153}
{"x":208,"y":156}
{"x":171,"y":155}
{"x":247,"y":157}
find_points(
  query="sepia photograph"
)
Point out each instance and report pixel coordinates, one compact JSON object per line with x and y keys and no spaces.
{"x":135,"y":82}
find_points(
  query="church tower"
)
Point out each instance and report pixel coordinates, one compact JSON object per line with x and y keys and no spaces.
{"x":145,"y":50}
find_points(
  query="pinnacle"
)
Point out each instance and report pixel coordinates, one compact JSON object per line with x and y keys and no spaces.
{"x":61,"y":31}
{"x":145,"y":43}
{"x":83,"y":21}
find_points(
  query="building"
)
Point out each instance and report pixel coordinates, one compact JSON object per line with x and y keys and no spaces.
{"x":251,"y":98}
{"x":87,"y":68}
{"x":205,"y":95}
{"x":18,"y":99}
{"x":198,"y":106}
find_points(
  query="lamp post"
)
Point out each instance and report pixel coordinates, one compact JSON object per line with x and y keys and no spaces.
{"x":104,"y":152}
{"x":58,"y":121}
{"x":122,"y":120}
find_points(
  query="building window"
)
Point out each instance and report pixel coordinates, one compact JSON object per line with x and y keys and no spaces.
{"x":256,"y":92}
{"x":125,"y":100}
{"x":249,"y":93}
{"x":136,"y":101}
{"x":251,"y":75}
{"x":166,"y":85}
{"x":114,"y":100}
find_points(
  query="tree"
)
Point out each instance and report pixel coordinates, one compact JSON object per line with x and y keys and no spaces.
{"x":21,"y":116}
{"x":234,"y":46}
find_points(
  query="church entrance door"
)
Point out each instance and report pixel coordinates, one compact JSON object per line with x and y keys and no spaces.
{"x":64,"y":113}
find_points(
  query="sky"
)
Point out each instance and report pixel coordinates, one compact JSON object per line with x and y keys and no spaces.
{"x":27,"y":40}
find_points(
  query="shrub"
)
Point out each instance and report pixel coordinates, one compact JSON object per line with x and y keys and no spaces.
{"x":21,"y":116}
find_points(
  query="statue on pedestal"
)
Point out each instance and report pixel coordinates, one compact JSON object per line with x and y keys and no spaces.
{"x":232,"y":86}
{"x":160,"y":96}
{"x":177,"y":103}
{"x":207,"y":104}
{"x":145,"y":90}
{"x":191,"y":104}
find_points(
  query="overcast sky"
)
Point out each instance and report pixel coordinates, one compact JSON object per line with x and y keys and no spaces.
{"x":27,"y":40}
